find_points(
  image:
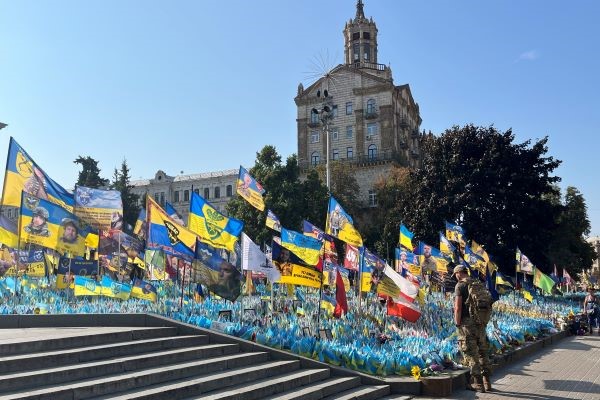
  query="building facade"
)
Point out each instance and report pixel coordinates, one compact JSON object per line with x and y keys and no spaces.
{"x":371,"y":122}
{"x":216,"y":187}
{"x":595,"y":242}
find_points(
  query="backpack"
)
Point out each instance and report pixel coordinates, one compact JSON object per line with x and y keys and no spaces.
{"x":479,"y":301}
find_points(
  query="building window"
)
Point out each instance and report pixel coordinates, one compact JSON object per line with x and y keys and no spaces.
{"x":334,"y":111}
{"x":229,"y":191}
{"x":349,"y":132}
{"x":367,"y":51}
{"x":335,"y":133}
{"x":156,"y":197}
{"x":356,"y":51}
{"x":349,"y":152}
{"x":372,"y":129}
{"x":314,"y":136}
{"x":207,"y":193}
{"x":349,"y":108}
{"x":335,"y":155}
{"x":162,"y":199}
{"x":356,"y":36}
{"x":197,"y":191}
{"x":217,"y":192}
{"x":372,"y":152}
{"x":314,"y":158}
{"x":314,"y":118}
{"x":372,"y":198}
{"x":176,"y":196}
{"x":367,"y":35}
{"x":186,"y":195}
{"x":371,"y":106}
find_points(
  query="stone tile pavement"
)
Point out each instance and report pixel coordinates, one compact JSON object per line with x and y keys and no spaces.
{"x":570,"y":369}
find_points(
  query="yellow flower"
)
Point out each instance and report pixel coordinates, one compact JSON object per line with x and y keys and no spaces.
{"x":416,"y":372}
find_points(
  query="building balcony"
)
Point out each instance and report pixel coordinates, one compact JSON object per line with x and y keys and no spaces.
{"x":382,"y":157}
{"x":403,"y":122}
{"x":314,"y":124}
{"x":414,"y":133}
{"x":369,"y":65}
{"x":371,"y":114}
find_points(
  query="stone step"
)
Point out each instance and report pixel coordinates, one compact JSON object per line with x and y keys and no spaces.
{"x":371,"y":392}
{"x":68,"y":342}
{"x":24,"y":362}
{"x":318,"y":390}
{"x":261,"y":388}
{"x":120,"y":365}
{"x":196,"y":385}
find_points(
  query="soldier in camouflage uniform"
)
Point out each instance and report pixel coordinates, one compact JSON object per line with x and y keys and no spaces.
{"x":472,"y":338}
{"x":38,"y":225}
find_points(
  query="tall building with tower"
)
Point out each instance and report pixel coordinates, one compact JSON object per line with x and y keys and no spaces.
{"x":371,"y":122}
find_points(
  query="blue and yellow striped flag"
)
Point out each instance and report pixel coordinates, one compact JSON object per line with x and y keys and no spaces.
{"x":144,"y":290}
{"x":305,"y":247}
{"x":213,"y":227}
{"x":8,"y":232}
{"x":406,"y":237}
{"x":86,"y":287}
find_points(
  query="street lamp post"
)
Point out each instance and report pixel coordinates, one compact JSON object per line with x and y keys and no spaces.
{"x":325,"y":116}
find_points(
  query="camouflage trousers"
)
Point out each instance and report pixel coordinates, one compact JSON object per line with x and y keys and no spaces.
{"x":474,"y":345}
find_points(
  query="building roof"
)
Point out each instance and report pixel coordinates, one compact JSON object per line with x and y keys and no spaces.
{"x":190,"y":177}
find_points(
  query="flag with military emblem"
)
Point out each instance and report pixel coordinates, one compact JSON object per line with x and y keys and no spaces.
{"x":213,"y":227}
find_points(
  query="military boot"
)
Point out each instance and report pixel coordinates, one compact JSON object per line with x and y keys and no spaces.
{"x":487,"y":383}
{"x":476,"y":384}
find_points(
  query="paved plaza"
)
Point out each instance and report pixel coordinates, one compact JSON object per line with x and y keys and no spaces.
{"x":569,"y":369}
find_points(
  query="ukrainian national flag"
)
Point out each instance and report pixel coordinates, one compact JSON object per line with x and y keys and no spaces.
{"x":250,"y":189}
{"x":144,"y":290}
{"x":501,"y":280}
{"x":114,"y":289}
{"x":305,"y":247}
{"x":86,"y":287}
{"x":24,"y":175}
{"x":293,"y":270}
{"x":272,"y":221}
{"x":340,"y":225}
{"x":480,"y":251}
{"x":328,"y":303}
{"x":446,"y":248}
{"x":213,"y":227}
{"x":167,"y":235}
{"x":8,"y":232}
{"x":406,"y":237}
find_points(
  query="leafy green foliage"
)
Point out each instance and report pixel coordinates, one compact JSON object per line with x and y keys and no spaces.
{"x":121,"y":179}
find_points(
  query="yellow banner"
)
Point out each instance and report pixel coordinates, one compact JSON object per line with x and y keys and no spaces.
{"x":387,"y":287}
{"x":302,"y":276}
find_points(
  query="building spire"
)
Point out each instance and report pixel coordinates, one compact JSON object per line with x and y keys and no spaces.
{"x":360,"y":13}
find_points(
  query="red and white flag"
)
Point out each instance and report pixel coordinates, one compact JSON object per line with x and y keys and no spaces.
{"x":404,"y":309}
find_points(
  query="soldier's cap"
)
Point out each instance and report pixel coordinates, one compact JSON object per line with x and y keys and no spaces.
{"x":41,"y":211}
{"x":459,"y":268}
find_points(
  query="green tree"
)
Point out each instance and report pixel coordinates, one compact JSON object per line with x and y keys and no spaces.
{"x":498,"y":190}
{"x":569,"y":249}
{"x":89,"y":175}
{"x":289,"y":198}
{"x":121,"y":182}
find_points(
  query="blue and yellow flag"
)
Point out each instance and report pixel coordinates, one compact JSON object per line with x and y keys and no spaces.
{"x":475,"y":261}
{"x":144,"y":290}
{"x":172,"y":212}
{"x":167,"y":235}
{"x":114,"y":289}
{"x":49,"y":225}
{"x":68,"y":268}
{"x":86,"y":287}
{"x":446,"y":248}
{"x":480,"y":251}
{"x":455,"y":233}
{"x":406,"y":260}
{"x":98,"y":208}
{"x":272,"y":221}
{"x":250,"y":189}
{"x":330,"y":255}
{"x":24,"y":175}
{"x":293,"y":270}
{"x":406,"y":237}
{"x":8,"y":232}
{"x":372,"y":268}
{"x":305,"y":247}
{"x":213,"y":227}
{"x":140,"y":229}
{"x":340,"y":225}
{"x":501,"y":280}
{"x":527,"y":295}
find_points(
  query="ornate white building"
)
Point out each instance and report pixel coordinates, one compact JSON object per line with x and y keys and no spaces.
{"x":216,"y":187}
{"x":595,"y":242}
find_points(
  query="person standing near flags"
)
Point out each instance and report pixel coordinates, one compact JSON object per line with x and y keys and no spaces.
{"x":590,"y":307}
{"x":472,"y":338}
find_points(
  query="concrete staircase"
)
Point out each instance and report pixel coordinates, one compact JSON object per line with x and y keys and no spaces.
{"x":163,"y":363}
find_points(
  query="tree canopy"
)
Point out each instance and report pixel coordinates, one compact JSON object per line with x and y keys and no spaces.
{"x":89,"y":175}
{"x":120,"y":182}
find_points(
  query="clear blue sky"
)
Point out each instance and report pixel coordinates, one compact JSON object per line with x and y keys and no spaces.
{"x":199,"y":86}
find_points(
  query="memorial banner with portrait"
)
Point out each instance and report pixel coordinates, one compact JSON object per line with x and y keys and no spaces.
{"x":250,"y":189}
{"x":101,"y":209}
{"x":49,"y":225}
{"x":218,"y":275}
{"x":24,"y":175}
{"x":339,"y":224}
